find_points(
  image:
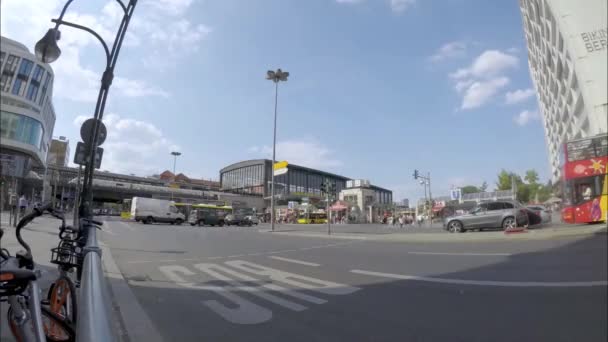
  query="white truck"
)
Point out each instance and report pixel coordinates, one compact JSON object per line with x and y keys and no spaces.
{"x":150,"y":210}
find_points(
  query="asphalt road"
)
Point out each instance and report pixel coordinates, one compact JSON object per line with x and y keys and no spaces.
{"x":241,"y":284}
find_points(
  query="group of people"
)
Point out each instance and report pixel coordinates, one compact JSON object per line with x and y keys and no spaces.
{"x":402,"y":220}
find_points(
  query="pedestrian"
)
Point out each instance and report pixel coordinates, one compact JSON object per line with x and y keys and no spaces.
{"x":22,"y":205}
{"x":401,"y":221}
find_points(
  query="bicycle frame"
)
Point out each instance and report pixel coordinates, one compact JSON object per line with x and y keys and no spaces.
{"x":22,"y":316}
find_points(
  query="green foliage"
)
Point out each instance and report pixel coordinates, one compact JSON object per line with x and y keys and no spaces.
{"x":530,"y":190}
{"x":531,"y":176}
{"x":469,"y":189}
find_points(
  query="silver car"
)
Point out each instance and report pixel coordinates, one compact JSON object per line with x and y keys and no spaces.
{"x":497,"y":214}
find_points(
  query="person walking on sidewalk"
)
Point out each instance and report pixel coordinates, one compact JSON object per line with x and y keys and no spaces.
{"x":22,"y":205}
{"x":401,"y":221}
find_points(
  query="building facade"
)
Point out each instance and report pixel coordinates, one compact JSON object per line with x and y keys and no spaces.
{"x":59,"y":152}
{"x":254,"y":177}
{"x":567,"y":44}
{"x":299,"y":184}
{"x":27,"y":116}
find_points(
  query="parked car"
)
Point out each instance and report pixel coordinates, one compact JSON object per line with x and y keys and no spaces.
{"x":254,"y":219}
{"x":203,"y":217}
{"x":496,"y":214}
{"x":542,"y":212}
{"x":237,"y":220}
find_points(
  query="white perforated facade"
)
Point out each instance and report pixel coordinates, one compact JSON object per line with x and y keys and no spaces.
{"x":568,"y":65}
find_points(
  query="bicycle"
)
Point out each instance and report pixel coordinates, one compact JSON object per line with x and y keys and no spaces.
{"x":28,"y":319}
{"x":61,"y":296}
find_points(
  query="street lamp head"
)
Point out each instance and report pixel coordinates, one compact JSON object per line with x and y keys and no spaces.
{"x":277,"y":76}
{"x":177,"y":154}
{"x":46,"y":49}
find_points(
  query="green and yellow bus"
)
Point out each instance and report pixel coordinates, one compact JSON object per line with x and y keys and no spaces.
{"x":312,"y":218}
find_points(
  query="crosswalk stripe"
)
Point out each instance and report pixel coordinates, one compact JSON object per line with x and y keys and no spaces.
{"x":294,"y":261}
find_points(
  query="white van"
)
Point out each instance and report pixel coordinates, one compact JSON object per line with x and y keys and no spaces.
{"x":150,"y":210}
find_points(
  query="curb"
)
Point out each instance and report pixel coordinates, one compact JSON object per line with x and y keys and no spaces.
{"x":425,"y":237}
{"x":133,"y":322}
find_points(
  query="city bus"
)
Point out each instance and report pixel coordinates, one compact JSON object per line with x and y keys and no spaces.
{"x":585,"y":180}
{"x":308,"y":218}
{"x":219,"y":209}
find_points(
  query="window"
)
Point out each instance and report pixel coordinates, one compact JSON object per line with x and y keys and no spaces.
{"x":22,"y":76}
{"x":495,"y":206}
{"x":9,"y":72}
{"x":2,"y":55}
{"x":509,"y":205}
{"x":21,"y":128}
{"x":32,"y":90}
{"x":44,"y":88}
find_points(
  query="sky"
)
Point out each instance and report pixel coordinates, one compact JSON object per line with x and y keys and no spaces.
{"x":377,"y":88}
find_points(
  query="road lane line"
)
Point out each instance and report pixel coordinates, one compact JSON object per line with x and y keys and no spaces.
{"x":463,"y":254}
{"x":294,"y":261}
{"x":235,"y":256}
{"x":485,"y":282}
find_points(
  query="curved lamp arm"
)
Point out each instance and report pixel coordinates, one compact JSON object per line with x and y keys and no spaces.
{"x":84,"y":28}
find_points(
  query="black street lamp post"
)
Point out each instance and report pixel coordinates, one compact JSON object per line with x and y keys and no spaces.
{"x":47,"y":51}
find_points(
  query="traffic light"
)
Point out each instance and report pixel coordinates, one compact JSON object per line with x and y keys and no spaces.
{"x":416,"y":175}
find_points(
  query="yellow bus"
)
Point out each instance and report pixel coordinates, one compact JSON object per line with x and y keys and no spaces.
{"x":312,"y":218}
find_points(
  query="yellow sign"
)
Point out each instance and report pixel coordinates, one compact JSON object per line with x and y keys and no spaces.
{"x":280,"y":165}
{"x":174,"y":185}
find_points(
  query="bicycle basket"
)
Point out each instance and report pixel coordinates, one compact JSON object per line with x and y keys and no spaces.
{"x":65,"y":256}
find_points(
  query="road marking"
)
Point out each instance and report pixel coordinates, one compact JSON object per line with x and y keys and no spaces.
{"x":242,"y":310}
{"x":235,"y":256}
{"x":292,"y":279}
{"x":212,"y":270}
{"x":485,"y":282}
{"x":294,"y":261}
{"x":463,"y":254}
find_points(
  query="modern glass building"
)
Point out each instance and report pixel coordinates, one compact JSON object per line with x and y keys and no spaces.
{"x":567,"y":45}
{"x":254,"y":177}
{"x":27,"y":114}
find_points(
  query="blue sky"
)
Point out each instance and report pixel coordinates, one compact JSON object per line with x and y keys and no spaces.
{"x":377,"y":88}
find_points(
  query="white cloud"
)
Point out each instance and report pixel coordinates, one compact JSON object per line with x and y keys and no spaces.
{"x":519,"y":95}
{"x":482,"y":80}
{"x":480,"y":92}
{"x":158,"y":23}
{"x":308,"y":153}
{"x":132,"y":146}
{"x":400,"y":6}
{"x":397,"y":6}
{"x":526,"y":116}
{"x":489,"y":64}
{"x":449,"y":50}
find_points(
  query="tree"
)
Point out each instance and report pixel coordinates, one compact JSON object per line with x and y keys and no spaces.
{"x":469,"y":189}
{"x":523,"y":193}
{"x":483,"y":187}
{"x":505,"y":178}
{"x":531,"y":176}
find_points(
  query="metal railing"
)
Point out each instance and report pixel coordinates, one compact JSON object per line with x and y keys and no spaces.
{"x":489,"y":196}
{"x":94,"y":301}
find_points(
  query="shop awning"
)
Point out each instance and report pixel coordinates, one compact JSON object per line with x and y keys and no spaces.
{"x":339,"y":205}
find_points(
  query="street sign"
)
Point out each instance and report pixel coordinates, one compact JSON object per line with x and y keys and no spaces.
{"x":81,"y":153}
{"x":278,"y":172}
{"x":86,"y":132}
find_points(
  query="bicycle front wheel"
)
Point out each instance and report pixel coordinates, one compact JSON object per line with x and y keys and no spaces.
{"x":55,"y":328}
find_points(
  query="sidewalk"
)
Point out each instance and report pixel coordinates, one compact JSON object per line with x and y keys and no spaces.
{"x":548,"y":232}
